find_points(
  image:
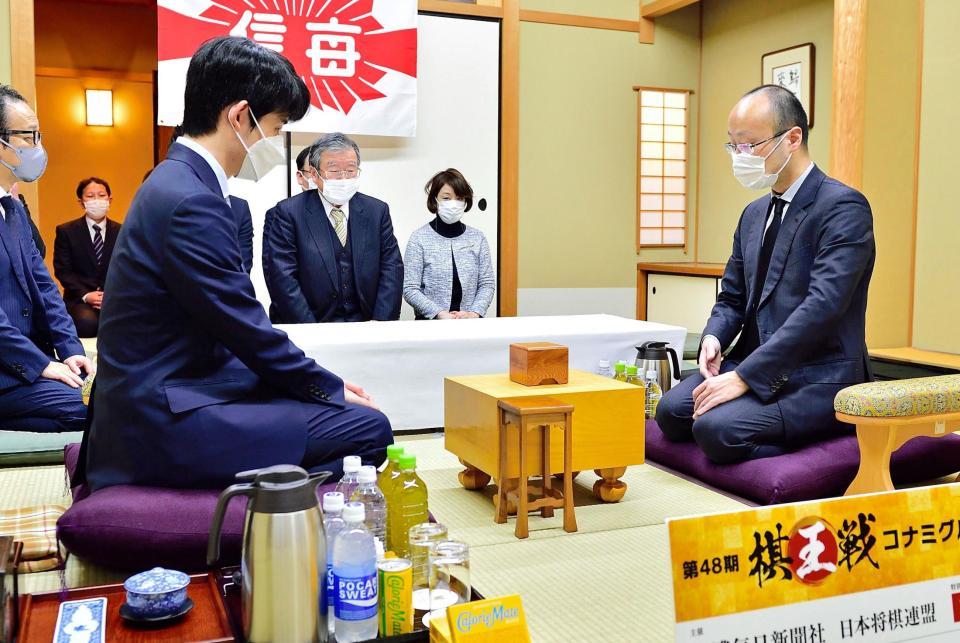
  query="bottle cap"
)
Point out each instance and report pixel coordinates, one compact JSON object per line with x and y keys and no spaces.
{"x":353,"y":512}
{"x":631,"y":370}
{"x":351,"y":464}
{"x":651,"y":375}
{"x":394,"y":451}
{"x":333,"y":502}
{"x":619,"y":367}
{"x":408,"y":461}
{"x":622,"y":361}
{"x":604,"y":363}
{"x":367,"y":474}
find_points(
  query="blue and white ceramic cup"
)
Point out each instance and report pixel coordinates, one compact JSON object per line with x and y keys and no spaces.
{"x":156,"y":593}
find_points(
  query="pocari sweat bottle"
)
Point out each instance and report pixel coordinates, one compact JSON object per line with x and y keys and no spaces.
{"x":374,"y":504}
{"x":333,"y":524}
{"x":348,"y":483}
{"x":355,"y":578}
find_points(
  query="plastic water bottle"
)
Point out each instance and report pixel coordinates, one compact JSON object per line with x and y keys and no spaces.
{"x":388,"y":476}
{"x":348,"y":483}
{"x":408,"y":505}
{"x":604,"y":369}
{"x":620,"y":372}
{"x":654,"y":393}
{"x":633,"y":377}
{"x":333,"y":524}
{"x":374,"y":504}
{"x":355,"y":578}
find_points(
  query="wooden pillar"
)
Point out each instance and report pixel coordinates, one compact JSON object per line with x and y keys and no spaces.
{"x":509,"y":155}
{"x":849,"y":67}
{"x":23,"y":78}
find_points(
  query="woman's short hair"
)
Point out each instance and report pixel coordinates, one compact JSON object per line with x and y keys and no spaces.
{"x":457,"y":183}
{"x":84,"y":183}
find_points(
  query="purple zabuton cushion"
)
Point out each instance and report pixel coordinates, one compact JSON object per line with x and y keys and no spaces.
{"x":136,"y":528}
{"x":821,"y":470}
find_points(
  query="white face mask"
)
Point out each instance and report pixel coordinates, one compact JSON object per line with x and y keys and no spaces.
{"x":451,"y":211}
{"x":262,"y":156}
{"x":311,"y":185}
{"x":340,"y":191}
{"x":751,"y":170}
{"x":96,"y":208}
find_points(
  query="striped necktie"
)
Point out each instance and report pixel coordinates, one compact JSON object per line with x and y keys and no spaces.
{"x":340,"y":225}
{"x":98,"y":244}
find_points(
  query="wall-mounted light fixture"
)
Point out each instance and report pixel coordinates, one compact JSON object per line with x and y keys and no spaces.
{"x":100,"y":107}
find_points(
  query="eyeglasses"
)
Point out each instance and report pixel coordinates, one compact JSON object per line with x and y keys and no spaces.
{"x":23,"y":133}
{"x":350,"y":173}
{"x":748,"y":148}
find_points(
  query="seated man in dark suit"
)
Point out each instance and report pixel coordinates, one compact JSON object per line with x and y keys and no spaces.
{"x":195,"y":382}
{"x":241,"y":209}
{"x":34,"y":231}
{"x":41,"y":359}
{"x":81,"y":254}
{"x":331,"y":252}
{"x":795,"y":289}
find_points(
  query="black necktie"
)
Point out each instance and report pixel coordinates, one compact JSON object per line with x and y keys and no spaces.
{"x":7,"y":204}
{"x":97,"y":243}
{"x":769,"y":241}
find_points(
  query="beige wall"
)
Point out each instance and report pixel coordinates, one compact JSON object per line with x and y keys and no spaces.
{"x":736,"y":34}
{"x":578,"y":147}
{"x":619,"y":9}
{"x":5,"y":42}
{"x":936,"y":305}
{"x":889,"y":166}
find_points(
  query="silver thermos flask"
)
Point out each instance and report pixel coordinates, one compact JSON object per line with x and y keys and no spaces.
{"x":283,"y":566}
{"x":652,"y":356}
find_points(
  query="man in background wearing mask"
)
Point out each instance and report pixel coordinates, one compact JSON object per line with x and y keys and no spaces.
{"x":195,"y":383}
{"x":81,"y":254}
{"x":794,"y":289}
{"x":331,"y":252}
{"x":42,"y":362}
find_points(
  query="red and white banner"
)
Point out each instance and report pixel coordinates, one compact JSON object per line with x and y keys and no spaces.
{"x":357,"y":57}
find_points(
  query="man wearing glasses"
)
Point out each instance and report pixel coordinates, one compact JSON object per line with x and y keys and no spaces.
{"x":42,"y":363}
{"x":330,"y":254}
{"x":794,"y":290}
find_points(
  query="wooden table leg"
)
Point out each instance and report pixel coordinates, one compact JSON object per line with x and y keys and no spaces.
{"x":610,"y":488}
{"x":546,"y":511}
{"x":569,"y":518}
{"x":500,"y":501}
{"x":510,"y":493}
{"x":521,"y":530}
{"x":472,"y":478}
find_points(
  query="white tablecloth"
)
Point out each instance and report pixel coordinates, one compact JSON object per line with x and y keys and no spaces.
{"x":403,"y":363}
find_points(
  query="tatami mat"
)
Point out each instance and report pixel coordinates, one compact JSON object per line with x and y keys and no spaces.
{"x":28,"y":486}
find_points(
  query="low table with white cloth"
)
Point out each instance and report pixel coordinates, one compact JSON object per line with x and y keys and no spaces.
{"x":402,"y":364}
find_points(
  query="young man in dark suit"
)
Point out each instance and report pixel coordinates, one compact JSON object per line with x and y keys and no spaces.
{"x":331,"y":252}
{"x":42,"y":362}
{"x":794,"y":289}
{"x":81,"y":254}
{"x":195,"y":383}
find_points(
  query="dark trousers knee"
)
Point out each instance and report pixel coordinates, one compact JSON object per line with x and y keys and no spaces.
{"x":674,"y":417}
{"x":86,"y":318}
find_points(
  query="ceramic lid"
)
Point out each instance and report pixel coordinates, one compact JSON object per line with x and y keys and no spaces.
{"x":157,"y":581}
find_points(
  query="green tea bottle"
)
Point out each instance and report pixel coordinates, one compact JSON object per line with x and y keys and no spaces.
{"x":620,"y":372}
{"x":409,"y":506}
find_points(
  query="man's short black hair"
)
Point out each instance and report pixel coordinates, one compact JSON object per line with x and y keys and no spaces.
{"x":227,"y":70}
{"x":7,"y":95}
{"x":786,"y":107}
{"x":93,"y":179}
{"x":304,"y":156}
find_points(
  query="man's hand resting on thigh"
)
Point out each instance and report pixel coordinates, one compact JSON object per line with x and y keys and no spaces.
{"x":717,"y":390}
{"x":354,"y":394}
{"x":710,"y":357}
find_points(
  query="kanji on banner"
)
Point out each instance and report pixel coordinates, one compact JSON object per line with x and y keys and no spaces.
{"x":357,"y":57}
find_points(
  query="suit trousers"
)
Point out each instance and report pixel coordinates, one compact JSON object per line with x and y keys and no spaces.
{"x":86,"y":318}
{"x":46,"y":406}
{"x":742,"y":429}
{"x":334,"y":433}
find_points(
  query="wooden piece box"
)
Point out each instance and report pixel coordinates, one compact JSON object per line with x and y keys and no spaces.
{"x":538,"y":363}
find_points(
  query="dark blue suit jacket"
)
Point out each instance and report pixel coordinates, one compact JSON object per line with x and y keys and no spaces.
{"x":300,"y":264}
{"x":34,"y":325}
{"x":194,"y":383}
{"x":244,"y":230}
{"x":811,"y":312}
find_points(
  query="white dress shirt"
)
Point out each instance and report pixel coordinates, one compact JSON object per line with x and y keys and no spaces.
{"x":788,"y":196}
{"x":102,"y":225}
{"x":211,"y":161}
{"x":327,"y":207}
{"x":3,"y":193}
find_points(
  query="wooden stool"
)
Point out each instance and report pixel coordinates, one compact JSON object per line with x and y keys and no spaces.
{"x":889,"y":414}
{"x":543,"y":413}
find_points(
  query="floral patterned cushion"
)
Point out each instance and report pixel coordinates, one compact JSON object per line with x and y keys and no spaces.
{"x":901,"y":398}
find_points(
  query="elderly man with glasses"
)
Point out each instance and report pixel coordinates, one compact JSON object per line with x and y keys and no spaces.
{"x":794,"y":290}
{"x":330,"y":254}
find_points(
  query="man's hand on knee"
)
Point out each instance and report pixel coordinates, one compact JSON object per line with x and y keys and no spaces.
{"x":717,"y":390}
{"x":62,"y":373}
{"x":710,"y":357}
{"x":354,"y":394}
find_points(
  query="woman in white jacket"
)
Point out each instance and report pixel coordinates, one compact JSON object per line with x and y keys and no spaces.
{"x":448,"y":272}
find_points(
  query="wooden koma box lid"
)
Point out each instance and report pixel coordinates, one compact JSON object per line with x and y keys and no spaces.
{"x":536,"y":363}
